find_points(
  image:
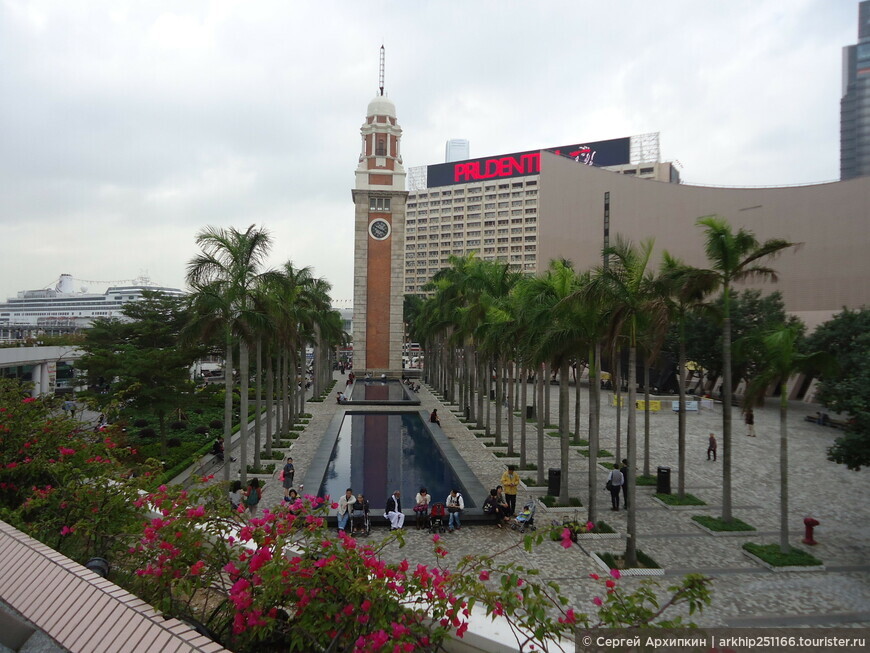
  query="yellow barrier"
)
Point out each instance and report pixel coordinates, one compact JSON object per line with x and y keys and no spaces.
{"x":654,"y":406}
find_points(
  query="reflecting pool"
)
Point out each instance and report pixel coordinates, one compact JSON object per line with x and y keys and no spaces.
{"x":377,"y":453}
{"x":381,"y":392}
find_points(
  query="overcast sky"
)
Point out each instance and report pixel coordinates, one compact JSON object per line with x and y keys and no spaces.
{"x":126,"y":127}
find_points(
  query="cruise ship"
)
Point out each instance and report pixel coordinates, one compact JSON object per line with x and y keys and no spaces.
{"x":61,"y":309}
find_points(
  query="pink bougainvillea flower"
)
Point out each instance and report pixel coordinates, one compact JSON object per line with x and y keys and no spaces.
{"x":484,"y":575}
{"x":436,"y":537}
{"x":460,"y":632}
{"x":615,"y":573}
{"x":594,"y":576}
{"x":597,"y":601}
{"x":566,"y":538}
{"x":67,"y":530}
{"x":28,"y":400}
{"x":610,"y":583}
{"x":365,"y":606}
{"x":66,"y":451}
{"x":196,"y":568}
{"x":590,"y":527}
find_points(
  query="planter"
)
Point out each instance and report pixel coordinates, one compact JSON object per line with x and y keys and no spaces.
{"x":627,"y":572}
{"x":682,"y":507}
{"x":724,"y":533}
{"x":776,"y":569}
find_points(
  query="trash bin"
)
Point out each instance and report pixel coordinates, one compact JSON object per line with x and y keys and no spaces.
{"x":663,"y":480}
{"x":99,"y":566}
{"x":530,"y":412}
{"x":554,"y":480}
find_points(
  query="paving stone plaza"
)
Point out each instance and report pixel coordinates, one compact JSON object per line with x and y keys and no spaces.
{"x":745,"y":594}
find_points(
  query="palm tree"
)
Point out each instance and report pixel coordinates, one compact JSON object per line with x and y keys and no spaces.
{"x":781,"y":359}
{"x":733,"y":257}
{"x":687,"y":288}
{"x":225,"y":276}
{"x":558,"y":334}
{"x":626,"y":285}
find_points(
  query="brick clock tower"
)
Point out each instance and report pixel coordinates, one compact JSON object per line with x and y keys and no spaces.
{"x":379,"y":198}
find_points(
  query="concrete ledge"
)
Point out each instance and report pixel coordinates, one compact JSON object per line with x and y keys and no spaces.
{"x":778,"y":570}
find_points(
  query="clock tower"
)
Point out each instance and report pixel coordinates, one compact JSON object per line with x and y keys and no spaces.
{"x":379,"y":198}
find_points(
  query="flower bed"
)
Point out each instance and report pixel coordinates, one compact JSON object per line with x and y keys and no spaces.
{"x":716,"y":527}
{"x":769,"y":555}
{"x":674,"y":502}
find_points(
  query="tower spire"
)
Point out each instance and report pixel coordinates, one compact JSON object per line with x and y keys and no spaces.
{"x":381,"y":73}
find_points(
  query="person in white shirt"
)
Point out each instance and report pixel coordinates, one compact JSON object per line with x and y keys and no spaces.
{"x":614,"y":484}
{"x":393,"y":511}
{"x":344,"y":508}
{"x":455,"y":506}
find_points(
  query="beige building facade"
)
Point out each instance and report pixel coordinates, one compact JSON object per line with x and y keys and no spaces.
{"x":497,"y":218}
{"x":829,"y":271}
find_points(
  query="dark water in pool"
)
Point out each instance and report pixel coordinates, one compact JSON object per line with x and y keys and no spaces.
{"x":378,"y":391}
{"x":377,"y":453}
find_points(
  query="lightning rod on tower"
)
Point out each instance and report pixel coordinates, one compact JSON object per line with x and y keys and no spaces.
{"x":381,"y":74}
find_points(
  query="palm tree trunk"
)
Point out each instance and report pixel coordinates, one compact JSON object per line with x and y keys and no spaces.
{"x":783,"y":467}
{"x":510,"y":407}
{"x":258,"y":403}
{"x":540,"y":422}
{"x":499,"y":400}
{"x":228,"y":403}
{"x":524,"y":389}
{"x":594,"y":440}
{"x":564,"y":371}
{"x":487,"y":399}
{"x":617,"y":389}
{"x":481,"y":378}
{"x":285,"y":393}
{"x":577,"y":374}
{"x":681,"y":437}
{"x":645,"y":415}
{"x":631,"y":445}
{"x":244,"y":370}
{"x":726,"y":414}
{"x":547,"y":373}
{"x":270,"y":400}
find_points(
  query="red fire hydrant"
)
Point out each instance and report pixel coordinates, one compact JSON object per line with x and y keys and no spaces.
{"x":809,"y":525}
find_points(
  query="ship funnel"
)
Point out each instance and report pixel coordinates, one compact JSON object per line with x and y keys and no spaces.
{"x":65,"y":284}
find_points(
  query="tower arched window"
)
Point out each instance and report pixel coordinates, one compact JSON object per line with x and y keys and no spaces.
{"x":381,"y":146}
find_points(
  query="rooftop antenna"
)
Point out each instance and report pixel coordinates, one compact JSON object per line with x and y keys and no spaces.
{"x":381,"y":73}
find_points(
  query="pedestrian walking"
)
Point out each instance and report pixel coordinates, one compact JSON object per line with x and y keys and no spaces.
{"x":614,"y":483}
{"x":624,"y":471}
{"x":289,"y":472}
{"x":711,"y":447}
{"x":749,"y":419}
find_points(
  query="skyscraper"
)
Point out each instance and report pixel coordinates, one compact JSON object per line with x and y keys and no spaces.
{"x":855,"y":103}
{"x":456,"y":150}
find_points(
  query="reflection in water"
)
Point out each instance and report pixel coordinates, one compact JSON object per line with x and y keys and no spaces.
{"x":377,"y":453}
{"x":378,"y":391}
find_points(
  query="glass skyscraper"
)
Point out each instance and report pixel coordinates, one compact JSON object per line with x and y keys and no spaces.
{"x":855,"y":103}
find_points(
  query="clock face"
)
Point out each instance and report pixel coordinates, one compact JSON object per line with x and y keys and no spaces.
{"x":379,"y":229}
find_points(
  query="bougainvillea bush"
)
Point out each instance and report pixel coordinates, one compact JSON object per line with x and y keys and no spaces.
{"x":284,"y":581}
{"x":63,"y":483}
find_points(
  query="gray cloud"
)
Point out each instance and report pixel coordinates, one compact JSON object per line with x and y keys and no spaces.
{"x":127,"y":127}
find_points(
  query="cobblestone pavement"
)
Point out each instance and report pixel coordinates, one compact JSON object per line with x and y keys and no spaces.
{"x":745,"y":594}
